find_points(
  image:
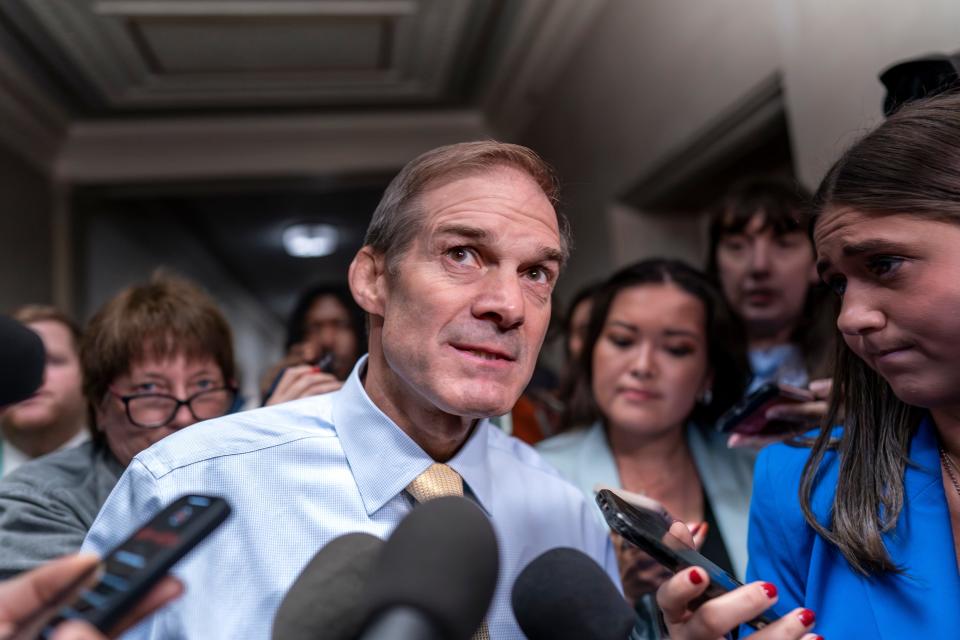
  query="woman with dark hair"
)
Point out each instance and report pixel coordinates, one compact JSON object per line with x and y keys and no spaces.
{"x":761,"y":254}
{"x":872,"y":542}
{"x":324,"y":339}
{"x":661,"y":360}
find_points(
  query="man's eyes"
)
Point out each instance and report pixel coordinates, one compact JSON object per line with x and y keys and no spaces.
{"x":461,"y":255}
{"x":540,"y":275}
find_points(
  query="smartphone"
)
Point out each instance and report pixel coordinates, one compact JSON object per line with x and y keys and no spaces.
{"x":748,"y":417}
{"x":649,"y":531}
{"x":133,"y":568}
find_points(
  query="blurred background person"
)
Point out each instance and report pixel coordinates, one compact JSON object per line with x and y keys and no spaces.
{"x":575,"y":325}
{"x":53,"y":417}
{"x":761,"y":253}
{"x":576,"y":322}
{"x":662,"y":359}
{"x":156,"y":358}
{"x":324,"y":337}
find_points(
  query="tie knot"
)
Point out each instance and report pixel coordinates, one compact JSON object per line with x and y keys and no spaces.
{"x":437,"y":481}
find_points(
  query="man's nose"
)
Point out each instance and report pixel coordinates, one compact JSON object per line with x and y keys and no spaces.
{"x":501,"y":299}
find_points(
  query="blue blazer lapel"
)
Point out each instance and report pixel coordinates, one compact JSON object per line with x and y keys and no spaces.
{"x":925,"y":601}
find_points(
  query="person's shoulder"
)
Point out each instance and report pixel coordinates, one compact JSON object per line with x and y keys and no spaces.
{"x":512,"y":451}
{"x":242,"y":433}
{"x":780,"y":468}
{"x":563,"y":443}
{"x":788,"y":458}
{"x":52,"y":471}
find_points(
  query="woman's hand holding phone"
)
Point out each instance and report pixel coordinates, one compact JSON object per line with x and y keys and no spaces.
{"x":718,"y":616}
{"x":640,"y":574}
{"x":805,"y":415}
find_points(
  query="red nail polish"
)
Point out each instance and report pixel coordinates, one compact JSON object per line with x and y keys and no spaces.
{"x":770,"y":590}
{"x":695,"y":577}
{"x":807,"y":617}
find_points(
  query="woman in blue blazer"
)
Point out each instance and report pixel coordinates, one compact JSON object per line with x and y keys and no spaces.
{"x":863,"y":525}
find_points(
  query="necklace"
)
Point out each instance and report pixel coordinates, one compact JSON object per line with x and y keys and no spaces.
{"x":951,"y":468}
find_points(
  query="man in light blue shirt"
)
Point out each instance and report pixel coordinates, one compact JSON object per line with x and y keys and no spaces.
{"x":455,"y":275}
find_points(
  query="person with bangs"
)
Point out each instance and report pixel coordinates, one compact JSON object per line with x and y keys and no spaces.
{"x":761,"y":254}
{"x":156,"y":358}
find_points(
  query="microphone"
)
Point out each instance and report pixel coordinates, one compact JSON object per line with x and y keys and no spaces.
{"x":436,"y":575}
{"x":325,"y":601}
{"x":22,"y":360}
{"x":564,"y":595}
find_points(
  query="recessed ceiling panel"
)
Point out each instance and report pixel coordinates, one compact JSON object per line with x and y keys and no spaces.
{"x":201,"y":54}
{"x":243,"y":45}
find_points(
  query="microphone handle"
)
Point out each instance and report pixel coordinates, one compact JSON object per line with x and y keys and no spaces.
{"x":401,"y":623}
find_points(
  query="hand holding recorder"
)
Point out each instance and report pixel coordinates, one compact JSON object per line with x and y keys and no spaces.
{"x":46,"y":588}
{"x":82,"y":593}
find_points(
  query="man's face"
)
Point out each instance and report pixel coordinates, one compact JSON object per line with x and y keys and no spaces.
{"x":328,"y":329}
{"x":765,"y":276}
{"x":466,"y":307}
{"x":61,"y":396}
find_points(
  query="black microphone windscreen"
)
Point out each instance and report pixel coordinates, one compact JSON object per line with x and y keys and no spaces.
{"x":327,"y":599}
{"x":443,"y":561}
{"x":22,"y":359}
{"x":563,"y":594}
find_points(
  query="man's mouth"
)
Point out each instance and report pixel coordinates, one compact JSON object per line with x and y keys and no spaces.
{"x":491,"y":354}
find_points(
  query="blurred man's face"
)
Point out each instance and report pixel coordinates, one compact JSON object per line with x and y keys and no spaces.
{"x":466,"y":308}
{"x":60,"y":398}
{"x":329,"y":329}
{"x":765,"y":276}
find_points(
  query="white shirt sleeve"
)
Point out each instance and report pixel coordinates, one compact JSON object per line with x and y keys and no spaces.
{"x":135,"y":499}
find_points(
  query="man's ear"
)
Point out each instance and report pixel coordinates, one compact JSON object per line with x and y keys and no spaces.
{"x":367,"y":279}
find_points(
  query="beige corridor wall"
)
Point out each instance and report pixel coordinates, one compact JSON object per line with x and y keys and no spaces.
{"x":649,"y":76}
{"x":832,"y":52}
{"x":652,"y":74}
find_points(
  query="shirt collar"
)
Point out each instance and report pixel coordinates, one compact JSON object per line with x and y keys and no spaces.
{"x":384,"y":459}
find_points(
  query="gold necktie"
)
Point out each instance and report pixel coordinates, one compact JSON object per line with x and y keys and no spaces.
{"x":437,"y":481}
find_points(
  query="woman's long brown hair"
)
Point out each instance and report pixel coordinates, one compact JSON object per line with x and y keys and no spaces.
{"x":910,"y":165}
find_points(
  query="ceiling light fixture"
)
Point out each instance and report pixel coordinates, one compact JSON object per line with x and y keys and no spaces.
{"x":310,"y":240}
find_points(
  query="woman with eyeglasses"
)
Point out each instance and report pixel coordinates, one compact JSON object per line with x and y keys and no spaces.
{"x":156,"y":358}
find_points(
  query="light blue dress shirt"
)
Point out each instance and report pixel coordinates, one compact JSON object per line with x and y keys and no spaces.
{"x":302,"y":473}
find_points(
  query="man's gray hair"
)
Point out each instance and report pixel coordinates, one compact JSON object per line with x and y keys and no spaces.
{"x":399,"y":218}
